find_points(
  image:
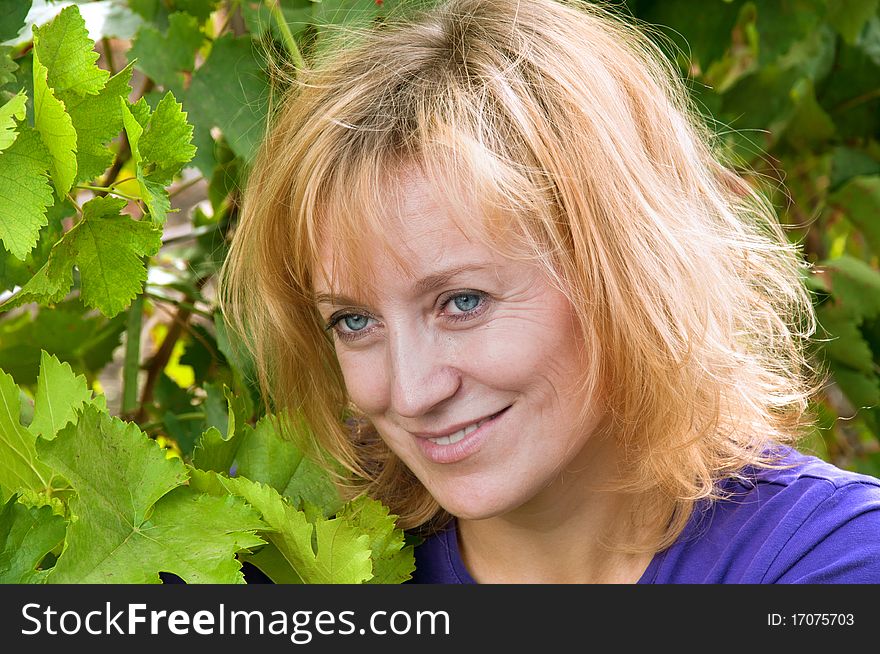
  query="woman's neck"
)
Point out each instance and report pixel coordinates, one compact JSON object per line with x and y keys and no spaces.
{"x":562,"y":535}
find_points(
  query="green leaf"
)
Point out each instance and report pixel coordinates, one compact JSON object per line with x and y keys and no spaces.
{"x":847,"y":163}
{"x":850,"y":94}
{"x":59,"y":394}
{"x":855,"y":286}
{"x":14,"y":110}
{"x":810,"y":124}
{"x":165,"y":58}
{"x":340,"y":555}
{"x":134,"y":518}
{"x":97,"y":120}
{"x":216,"y":452}
{"x":298,"y":15}
{"x":21,"y":469}
{"x":848,"y":17}
{"x":266,"y":457}
{"x":26,"y":535}
{"x":24,"y":192}
{"x":231,"y":91}
{"x":392,"y":562}
{"x":64,"y":47}
{"x":7,"y":65}
{"x":844,"y":342}
{"x":56,"y":129}
{"x":201,"y":9}
{"x":781,"y":24}
{"x":700,"y":37}
{"x":166,"y":145}
{"x":49,"y":285}
{"x":159,"y":151}
{"x":272,"y":563}
{"x":863,"y":390}
{"x":759,"y":106}
{"x":15,"y":272}
{"x":107,"y":248}
{"x":12,"y":15}
{"x":859,"y":199}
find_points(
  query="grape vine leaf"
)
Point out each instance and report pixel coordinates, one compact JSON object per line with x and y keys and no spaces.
{"x":231,"y":91}
{"x":56,"y":129}
{"x":27,"y":534}
{"x":217,"y":452}
{"x":97,"y":120}
{"x":14,"y":110}
{"x":392,"y":562}
{"x":855,"y":288}
{"x":135,"y":518}
{"x":201,"y":9}
{"x":7,"y":65}
{"x":63,"y":46}
{"x":60,"y":393}
{"x":340,"y":554}
{"x":21,"y":469}
{"x":165,"y":58}
{"x":107,"y":248}
{"x":266,"y":457}
{"x":849,"y":17}
{"x":859,"y":199}
{"x":166,"y":144}
{"x":12,"y":15}
{"x":49,"y":285}
{"x":780,"y":25}
{"x":24,"y":192}
{"x":161,"y":145}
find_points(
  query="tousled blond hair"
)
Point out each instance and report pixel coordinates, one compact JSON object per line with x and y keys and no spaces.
{"x":575,"y":140}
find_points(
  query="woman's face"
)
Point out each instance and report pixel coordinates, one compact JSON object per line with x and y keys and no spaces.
{"x":467,"y":367}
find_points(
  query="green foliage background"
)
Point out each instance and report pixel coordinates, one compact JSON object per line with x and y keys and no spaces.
{"x":122,"y":155}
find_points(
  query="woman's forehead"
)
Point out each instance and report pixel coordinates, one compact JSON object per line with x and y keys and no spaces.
{"x":423,"y":251}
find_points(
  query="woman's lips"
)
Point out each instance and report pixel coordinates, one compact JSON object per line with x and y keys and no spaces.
{"x":461,"y":444}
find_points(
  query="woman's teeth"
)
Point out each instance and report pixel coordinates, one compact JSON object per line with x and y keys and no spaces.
{"x":461,"y":433}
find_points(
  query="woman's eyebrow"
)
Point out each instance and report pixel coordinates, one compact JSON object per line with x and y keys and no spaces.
{"x":422,"y":286}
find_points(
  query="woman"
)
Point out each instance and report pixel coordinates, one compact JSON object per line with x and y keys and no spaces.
{"x":569,"y":342}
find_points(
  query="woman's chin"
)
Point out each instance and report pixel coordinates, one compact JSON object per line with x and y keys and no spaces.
{"x":475,"y":506}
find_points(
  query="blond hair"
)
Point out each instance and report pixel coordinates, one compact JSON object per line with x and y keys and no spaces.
{"x":575,"y":140}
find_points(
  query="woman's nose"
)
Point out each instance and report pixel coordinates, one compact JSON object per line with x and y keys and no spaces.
{"x":422,"y":374}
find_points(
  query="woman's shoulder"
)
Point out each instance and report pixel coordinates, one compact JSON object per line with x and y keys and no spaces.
{"x":802,"y":521}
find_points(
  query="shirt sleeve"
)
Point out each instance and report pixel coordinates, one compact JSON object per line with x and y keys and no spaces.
{"x":838,"y":543}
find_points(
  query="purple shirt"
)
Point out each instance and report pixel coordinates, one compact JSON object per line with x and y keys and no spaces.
{"x":812,"y":523}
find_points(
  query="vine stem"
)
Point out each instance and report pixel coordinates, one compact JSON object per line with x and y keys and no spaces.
{"x":230,"y":12}
{"x":195,"y":233}
{"x":108,"y":54}
{"x":275,"y":8}
{"x":192,"y":332}
{"x":160,"y":359}
{"x":195,"y":415}
{"x":108,"y":189}
{"x":186,"y":305}
{"x":186,"y":185}
{"x":131,"y":365}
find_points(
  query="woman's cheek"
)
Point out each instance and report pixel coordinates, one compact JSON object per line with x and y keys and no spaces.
{"x":365,"y":380}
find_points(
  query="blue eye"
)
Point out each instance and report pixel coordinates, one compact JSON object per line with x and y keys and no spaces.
{"x":465,"y":305}
{"x":355,"y":322}
{"x":348,"y":326}
{"x":466,"y":301}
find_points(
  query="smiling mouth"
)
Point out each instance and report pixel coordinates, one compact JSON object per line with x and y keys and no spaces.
{"x":451,"y":439}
